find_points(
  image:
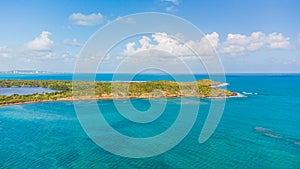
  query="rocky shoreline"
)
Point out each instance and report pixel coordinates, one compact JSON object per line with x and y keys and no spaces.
{"x":106,"y":98}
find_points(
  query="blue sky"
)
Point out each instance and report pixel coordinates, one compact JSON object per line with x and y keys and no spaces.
{"x":252,"y":36}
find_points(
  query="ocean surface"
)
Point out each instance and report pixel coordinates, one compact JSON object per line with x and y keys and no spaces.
{"x":260,"y":130}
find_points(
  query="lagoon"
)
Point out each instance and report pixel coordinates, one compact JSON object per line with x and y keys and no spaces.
{"x":7,"y":91}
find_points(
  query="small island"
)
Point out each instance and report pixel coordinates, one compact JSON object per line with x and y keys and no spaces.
{"x":83,"y":90}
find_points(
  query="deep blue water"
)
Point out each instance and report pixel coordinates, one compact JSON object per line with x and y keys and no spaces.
{"x":258,"y":131}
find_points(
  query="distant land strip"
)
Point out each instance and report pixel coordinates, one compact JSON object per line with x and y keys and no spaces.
{"x":83,"y":90}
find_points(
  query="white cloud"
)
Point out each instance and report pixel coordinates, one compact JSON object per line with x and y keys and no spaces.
{"x":213,"y":39}
{"x":24,"y":58}
{"x":158,"y":41}
{"x":205,"y":47}
{"x":37,"y":54}
{"x":167,"y":52}
{"x":238,"y":44}
{"x":256,"y":41}
{"x":129,"y":49}
{"x":72,"y":42}
{"x":86,"y":20}
{"x":171,"y":44}
{"x":234,"y":45}
{"x":176,"y":2}
{"x":278,"y":41}
{"x":42,"y":42}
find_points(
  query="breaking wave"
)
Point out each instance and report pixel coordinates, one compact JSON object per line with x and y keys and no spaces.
{"x":221,"y":85}
{"x":249,"y":93}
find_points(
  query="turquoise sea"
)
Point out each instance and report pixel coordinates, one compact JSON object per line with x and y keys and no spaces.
{"x":261,"y":130}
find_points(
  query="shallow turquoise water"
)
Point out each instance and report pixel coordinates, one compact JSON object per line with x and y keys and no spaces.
{"x":258,"y":131}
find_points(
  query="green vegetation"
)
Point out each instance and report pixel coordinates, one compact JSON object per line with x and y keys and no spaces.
{"x":107,"y":90}
{"x":65,"y":88}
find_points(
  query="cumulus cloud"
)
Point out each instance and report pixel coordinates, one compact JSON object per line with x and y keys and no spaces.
{"x":20,"y":57}
{"x":256,"y":41}
{"x":72,"y":42}
{"x":238,"y":44}
{"x":37,"y":54}
{"x":213,"y":38}
{"x":42,"y":42}
{"x":278,"y":41}
{"x":234,"y":45}
{"x":172,"y":45}
{"x":86,"y":20}
{"x":38,"y":51}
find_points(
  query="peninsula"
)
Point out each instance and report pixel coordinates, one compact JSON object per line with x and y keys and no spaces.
{"x":83,"y":90}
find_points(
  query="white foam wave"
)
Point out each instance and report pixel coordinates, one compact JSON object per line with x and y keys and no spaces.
{"x":238,"y":95}
{"x":250,"y":93}
{"x":221,"y":85}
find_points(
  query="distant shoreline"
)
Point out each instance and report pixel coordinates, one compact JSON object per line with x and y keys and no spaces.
{"x":41,"y":72}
